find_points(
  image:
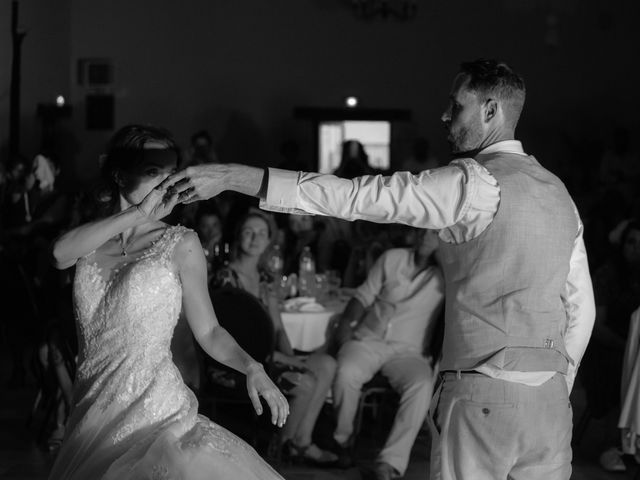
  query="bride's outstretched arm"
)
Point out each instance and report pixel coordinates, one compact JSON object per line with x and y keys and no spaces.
{"x":214,"y":339}
{"x":82,"y":240}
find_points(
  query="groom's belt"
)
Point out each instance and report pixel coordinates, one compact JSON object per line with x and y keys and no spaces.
{"x":459,"y":373}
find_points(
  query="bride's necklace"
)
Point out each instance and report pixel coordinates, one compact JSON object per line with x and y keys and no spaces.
{"x":123,"y":245}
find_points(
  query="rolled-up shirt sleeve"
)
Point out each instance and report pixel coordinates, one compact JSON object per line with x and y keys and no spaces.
{"x":434,"y":199}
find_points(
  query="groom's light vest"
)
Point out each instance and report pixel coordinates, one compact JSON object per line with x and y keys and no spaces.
{"x":504,"y":288}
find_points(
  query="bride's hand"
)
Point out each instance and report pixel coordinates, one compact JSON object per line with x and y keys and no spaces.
{"x":260,"y":385}
{"x":158,"y":203}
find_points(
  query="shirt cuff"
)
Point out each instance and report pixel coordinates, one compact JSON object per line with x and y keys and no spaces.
{"x":262,"y":193}
{"x":282,"y":192}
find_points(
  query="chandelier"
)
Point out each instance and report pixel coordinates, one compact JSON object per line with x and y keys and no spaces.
{"x":399,"y":9}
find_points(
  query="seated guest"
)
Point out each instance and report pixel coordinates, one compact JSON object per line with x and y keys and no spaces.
{"x":208,"y":226}
{"x":369,"y":241}
{"x":629,"y":421}
{"x":616,"y":286}
{"x":306,"y":380}
{"x":300,"y":231}
{"x":33,"y":211}
{"x":384,"y":327}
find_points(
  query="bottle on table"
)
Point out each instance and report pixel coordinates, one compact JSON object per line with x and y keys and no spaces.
{"x":307,"y":273}
{"x":275,"y":262}
{"x":226,"y":256}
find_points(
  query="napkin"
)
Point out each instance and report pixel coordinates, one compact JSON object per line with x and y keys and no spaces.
{"x":302,"y":304}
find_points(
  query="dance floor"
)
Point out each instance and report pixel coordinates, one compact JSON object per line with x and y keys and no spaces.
{"x":22,"y":459}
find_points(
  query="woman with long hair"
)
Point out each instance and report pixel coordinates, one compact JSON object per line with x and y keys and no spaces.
{"x":306,"y":380}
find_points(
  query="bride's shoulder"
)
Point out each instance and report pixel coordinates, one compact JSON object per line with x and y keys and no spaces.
{"x":186,"y":243}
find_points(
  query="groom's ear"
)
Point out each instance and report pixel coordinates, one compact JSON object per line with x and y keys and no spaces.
{"x":490,"y":109}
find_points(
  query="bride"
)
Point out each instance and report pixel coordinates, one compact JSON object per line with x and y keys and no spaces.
{"x":133,"y":417}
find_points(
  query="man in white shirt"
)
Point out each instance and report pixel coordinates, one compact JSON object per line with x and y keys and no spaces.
{"x":519,"y":301}
{"x":385,"y":327}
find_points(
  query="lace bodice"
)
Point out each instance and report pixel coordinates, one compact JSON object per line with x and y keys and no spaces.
{"x":135,"y":309}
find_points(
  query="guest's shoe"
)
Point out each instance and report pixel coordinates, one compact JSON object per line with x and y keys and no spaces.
{"x":309,"y":454}
{"x":344,"y":453}
{"x":611,"y":460}
{"x":384,"y":471}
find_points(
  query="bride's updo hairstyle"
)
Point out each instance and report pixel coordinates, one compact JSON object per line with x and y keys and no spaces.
{"x":124,"y":156}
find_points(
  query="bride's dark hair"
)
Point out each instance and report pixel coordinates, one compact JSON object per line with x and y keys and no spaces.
{"x":123,"y":156}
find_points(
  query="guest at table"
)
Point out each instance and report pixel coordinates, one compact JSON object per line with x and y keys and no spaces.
{"x":616,"y":285}
{"x":384,"y":328}
{"x":306,"y":380}
{"x":299,"y":231}
{"x":209,"y":229}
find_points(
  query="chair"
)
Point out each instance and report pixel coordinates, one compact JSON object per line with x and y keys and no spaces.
{"x":378,"y":392}
{"x":247,"y":321}
{"x":49,"y":396}
{"x":374,"y":395}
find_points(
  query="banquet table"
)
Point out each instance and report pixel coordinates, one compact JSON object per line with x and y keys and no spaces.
{"x":308,"y":330}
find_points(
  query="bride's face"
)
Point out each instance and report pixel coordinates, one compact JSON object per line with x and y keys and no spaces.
{"x":136,"y":185}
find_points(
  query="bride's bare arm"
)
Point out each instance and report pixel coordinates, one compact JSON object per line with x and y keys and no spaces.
{"x":82,"y":240}
{"x":214,"y":339}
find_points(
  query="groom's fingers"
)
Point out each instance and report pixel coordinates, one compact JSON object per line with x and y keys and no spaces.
{"x":183,"y":185}
{"x":187,"y":196}
{"x":171,"y":201}
{"x":173,"y":179}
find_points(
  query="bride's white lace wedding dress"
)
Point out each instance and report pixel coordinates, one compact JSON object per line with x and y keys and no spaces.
{"x":133,"y":416}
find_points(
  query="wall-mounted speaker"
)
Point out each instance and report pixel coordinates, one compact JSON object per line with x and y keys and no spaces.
{"x":95,"y":72}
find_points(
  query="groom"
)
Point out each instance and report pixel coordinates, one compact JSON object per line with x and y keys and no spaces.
{"x":519,"y":302}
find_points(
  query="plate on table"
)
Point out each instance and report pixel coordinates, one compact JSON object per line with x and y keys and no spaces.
{"x":302,"y":304}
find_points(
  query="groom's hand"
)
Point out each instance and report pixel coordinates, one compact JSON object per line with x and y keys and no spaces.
{"x":201,"y":182}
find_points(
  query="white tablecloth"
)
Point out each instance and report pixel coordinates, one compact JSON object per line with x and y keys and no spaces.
{"x":308,"y":330}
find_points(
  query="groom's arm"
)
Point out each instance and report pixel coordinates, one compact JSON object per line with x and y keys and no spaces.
{"x":432,"y":199}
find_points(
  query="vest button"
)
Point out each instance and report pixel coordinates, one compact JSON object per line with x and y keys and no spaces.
{"x":486,"y":411}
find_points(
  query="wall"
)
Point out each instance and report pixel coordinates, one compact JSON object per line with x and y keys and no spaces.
{"x":239,"y":68}
{"x":45,"y":64}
